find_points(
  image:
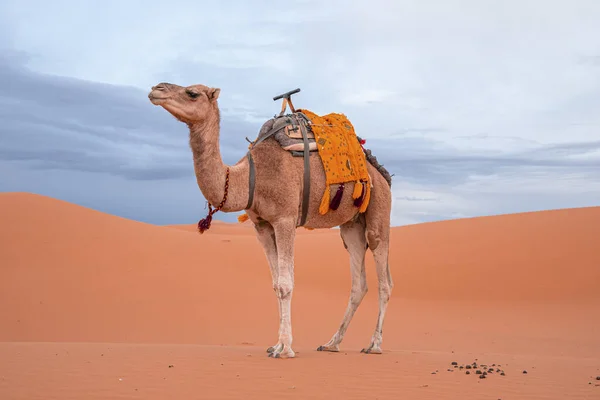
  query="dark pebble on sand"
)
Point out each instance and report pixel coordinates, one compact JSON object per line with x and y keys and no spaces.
{"x":478,"y":372}
{"x":524,"y":371}
{"x":468,"y":372}
{"x":468,"y":367}
{"x":454,"y":363}
{"x":502,"y":373}
{"x":482,"y":377}
{"x":170,"y":366}
{"x":598,"y":378}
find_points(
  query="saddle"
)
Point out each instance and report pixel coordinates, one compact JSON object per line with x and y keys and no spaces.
{"x":332,"y":136}
{"x":288,"y":132}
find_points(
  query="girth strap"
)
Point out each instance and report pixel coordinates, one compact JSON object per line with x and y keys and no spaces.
{"x":306,"y":189}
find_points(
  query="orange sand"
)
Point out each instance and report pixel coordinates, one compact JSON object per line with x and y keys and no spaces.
{"x":94,"y":306}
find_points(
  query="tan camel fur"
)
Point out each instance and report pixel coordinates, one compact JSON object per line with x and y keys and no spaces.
{"x":276,"y":209}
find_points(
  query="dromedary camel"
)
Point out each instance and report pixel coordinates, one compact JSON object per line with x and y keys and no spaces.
{"x":275,"y":208}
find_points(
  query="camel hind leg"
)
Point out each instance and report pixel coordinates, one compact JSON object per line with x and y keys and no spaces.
{"x":378,"y":237}
{"x":353,"y":236}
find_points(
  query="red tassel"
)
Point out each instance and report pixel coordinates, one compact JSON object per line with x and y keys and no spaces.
{"x":359,"y":200}
{"x":362,"y":142}
{"x":337,"y":199}
{"x":204,"y":223}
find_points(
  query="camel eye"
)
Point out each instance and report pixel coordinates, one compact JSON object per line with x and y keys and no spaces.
{"x":193,"y":95}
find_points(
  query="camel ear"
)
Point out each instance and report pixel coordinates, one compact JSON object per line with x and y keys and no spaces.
{"x":213,"y":93}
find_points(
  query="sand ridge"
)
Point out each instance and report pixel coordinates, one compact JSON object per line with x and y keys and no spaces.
{"x":522,"y":289}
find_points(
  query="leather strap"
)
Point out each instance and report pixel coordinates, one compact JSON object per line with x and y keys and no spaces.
{"x":306,"y":190}
{"x":268,"y":135}
{"x":251,"y":181}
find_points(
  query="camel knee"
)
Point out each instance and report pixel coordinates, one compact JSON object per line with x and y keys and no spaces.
{"x":283,"y":288}
{"x":358,"y":294}
{"x":373,"y":239}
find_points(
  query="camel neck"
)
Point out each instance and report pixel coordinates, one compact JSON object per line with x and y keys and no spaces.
{"x":211,"y":170}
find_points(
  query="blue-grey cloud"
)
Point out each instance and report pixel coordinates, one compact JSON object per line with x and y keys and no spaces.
{"x":61,"y":123}
{"x":430,"y":162}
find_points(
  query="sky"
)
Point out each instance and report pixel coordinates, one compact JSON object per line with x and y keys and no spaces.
{"x":477,"y":108}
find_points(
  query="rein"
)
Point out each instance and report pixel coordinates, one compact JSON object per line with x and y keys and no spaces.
{"x":204,"y":223}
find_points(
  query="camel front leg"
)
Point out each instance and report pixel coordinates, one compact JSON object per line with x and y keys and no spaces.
{"x":266,"y":236}
{"x":285,"y":233}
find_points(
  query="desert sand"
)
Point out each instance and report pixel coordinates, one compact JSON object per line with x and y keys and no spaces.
{"x":94,"y":306}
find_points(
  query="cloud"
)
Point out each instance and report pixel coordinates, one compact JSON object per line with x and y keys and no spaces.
{"x":59,"y":123}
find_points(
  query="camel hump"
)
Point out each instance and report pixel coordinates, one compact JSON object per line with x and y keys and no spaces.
{"x":287,"y":131}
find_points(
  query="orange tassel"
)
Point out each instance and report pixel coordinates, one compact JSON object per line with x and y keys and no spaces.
{"x":243,"y":218}
{"x":358,"y":187}
{"x":325,"y":201}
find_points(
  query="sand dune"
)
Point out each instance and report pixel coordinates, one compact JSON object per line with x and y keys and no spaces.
{"x":96,"y":298}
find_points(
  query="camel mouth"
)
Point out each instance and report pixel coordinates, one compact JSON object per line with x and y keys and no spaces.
{"x":156,"y":100}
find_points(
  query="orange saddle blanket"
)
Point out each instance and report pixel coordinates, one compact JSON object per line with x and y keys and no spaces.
{"x":343,"y":159}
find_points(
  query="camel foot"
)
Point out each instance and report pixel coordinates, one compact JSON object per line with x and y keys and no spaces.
{"x":372,"y":350}
{"x":272,"y":348}
{"x":330,"y":348}
{"x":281,"y":351}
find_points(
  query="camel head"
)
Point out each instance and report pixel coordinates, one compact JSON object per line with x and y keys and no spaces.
{"x":191,"y":104}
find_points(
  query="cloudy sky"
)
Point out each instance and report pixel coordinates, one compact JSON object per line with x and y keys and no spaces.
{"x":477,"y":107}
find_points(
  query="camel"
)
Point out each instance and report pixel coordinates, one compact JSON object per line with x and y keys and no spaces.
{"x":276,"y":204}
